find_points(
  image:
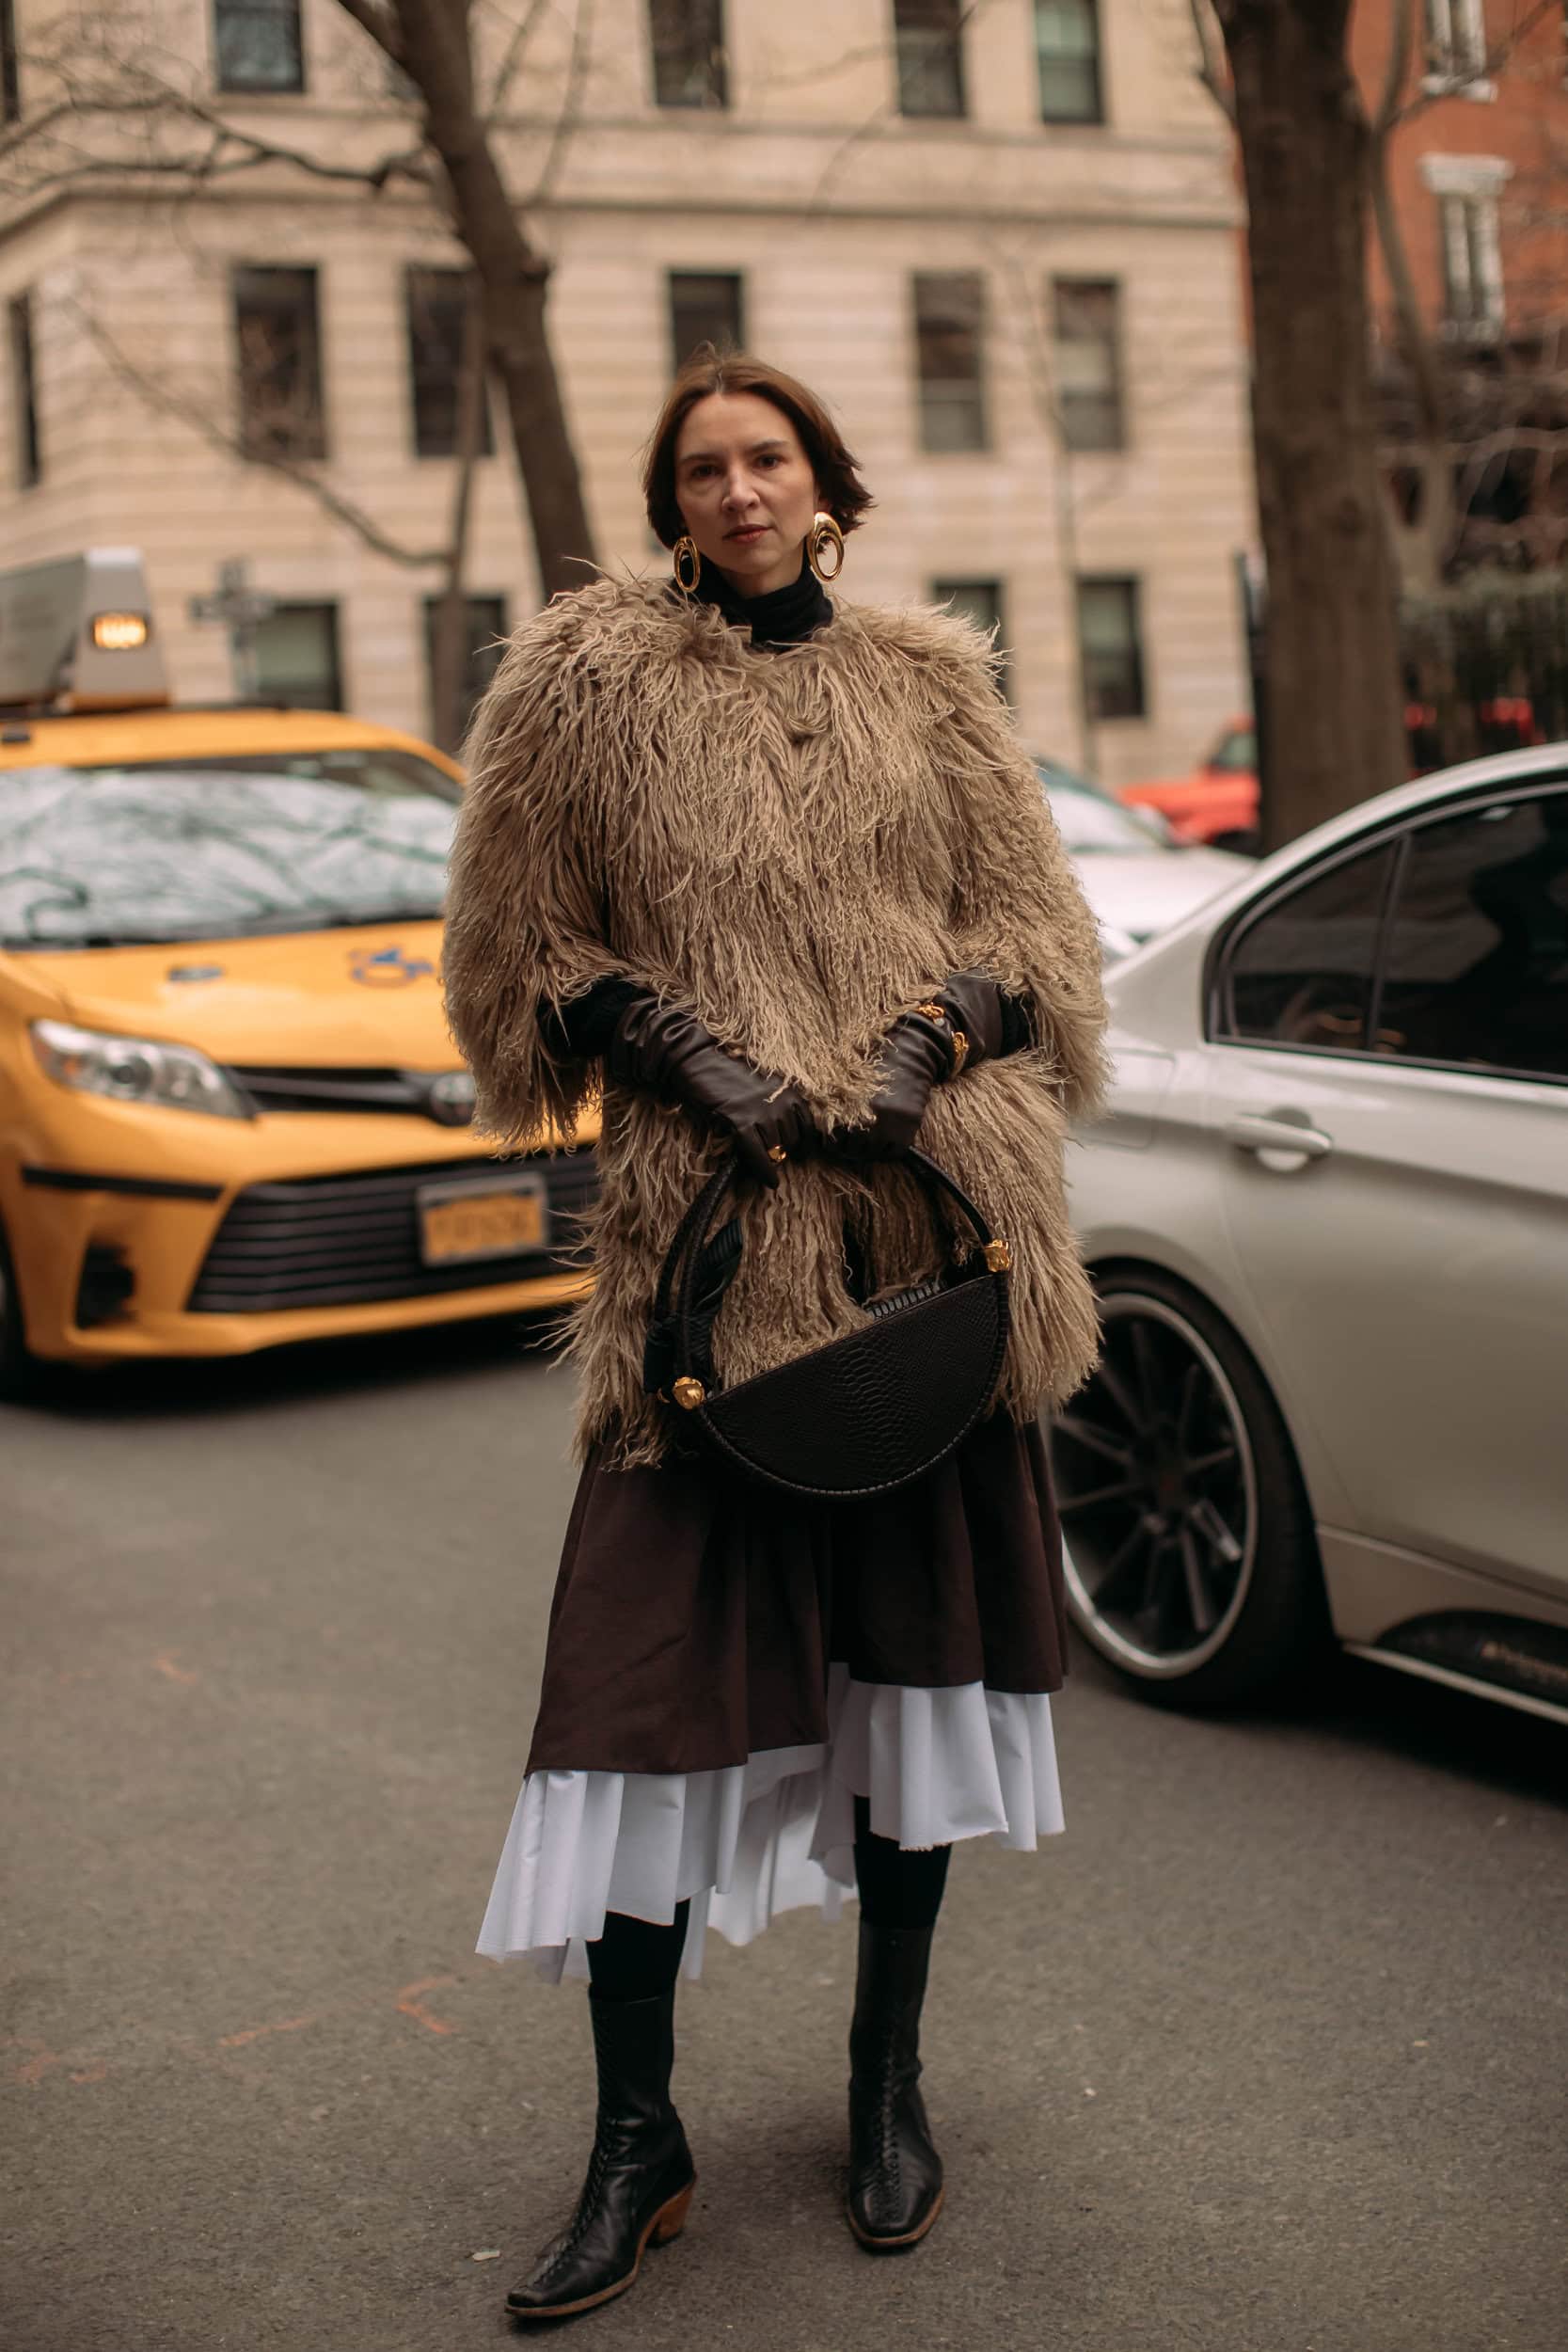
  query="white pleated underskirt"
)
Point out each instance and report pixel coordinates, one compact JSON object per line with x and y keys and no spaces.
{"x":775,"y":1833}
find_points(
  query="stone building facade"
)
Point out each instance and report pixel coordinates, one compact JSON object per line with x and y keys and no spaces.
{"x":1001,"y":240}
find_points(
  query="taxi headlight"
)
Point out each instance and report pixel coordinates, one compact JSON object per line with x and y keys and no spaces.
{"x":135,"y":1069}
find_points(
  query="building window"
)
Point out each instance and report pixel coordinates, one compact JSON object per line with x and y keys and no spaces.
{"x":929,"y":38}
{"x":1067,"y":44}
{"x":437,"y":305}
{"x":24,"y":406}
{"x":1456,"y":40}
{"x":980,"y":601}
{"x":1087,"y":314}
{"x":258,"y":46}
{"x":10,"y":89}
{"x":277,"y":321}
{"x":297,"y":657}
{"x":688,"y":53}
{"x":949,"y":327}
{"x":1472,"y":263}
{"x":1110,"y":642}
{"x":706,"y":307}
{"x":484,"y":641}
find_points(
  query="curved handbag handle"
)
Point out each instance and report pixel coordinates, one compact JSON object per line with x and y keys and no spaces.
{"x":693,"y":1232}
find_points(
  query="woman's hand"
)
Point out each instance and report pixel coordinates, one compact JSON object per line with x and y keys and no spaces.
{"x":967,"y":1021}
{"x":916,"y":1055}
{"x":666,"y":1051}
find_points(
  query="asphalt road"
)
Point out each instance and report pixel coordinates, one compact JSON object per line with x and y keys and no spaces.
{"x":1269,"y":2053}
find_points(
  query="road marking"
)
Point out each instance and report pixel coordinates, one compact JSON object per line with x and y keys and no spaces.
{"x":408,"y":2003}
{"x":254,"y":2033}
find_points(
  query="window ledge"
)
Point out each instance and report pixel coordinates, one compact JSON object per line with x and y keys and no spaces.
{"x":1477,"y":87}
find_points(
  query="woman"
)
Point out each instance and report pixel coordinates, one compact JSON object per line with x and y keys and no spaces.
{"x":772,"y":870}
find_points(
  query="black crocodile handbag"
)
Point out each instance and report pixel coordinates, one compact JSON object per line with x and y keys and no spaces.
{"x":861,"y":1415}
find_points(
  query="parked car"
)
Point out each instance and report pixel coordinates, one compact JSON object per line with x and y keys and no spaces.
{"x":1137,"y":877}
{"x":1327,"y":1216}
{"x":1216,"y":802}
{"x":231,"y":1113}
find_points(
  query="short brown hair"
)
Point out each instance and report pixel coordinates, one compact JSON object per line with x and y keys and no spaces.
{"x":710,"y":370}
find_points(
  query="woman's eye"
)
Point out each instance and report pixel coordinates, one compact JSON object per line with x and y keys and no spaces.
{"x":774,"y":459}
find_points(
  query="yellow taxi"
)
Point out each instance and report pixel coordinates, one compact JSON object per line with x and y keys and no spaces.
{"x":231,"y":1113}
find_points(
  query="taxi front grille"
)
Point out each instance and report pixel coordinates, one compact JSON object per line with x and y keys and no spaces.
{"x":341,"y":1241}
{"x":273,"y":1088}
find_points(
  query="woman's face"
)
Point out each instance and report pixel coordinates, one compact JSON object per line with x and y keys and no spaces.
{"x":745,"y":490}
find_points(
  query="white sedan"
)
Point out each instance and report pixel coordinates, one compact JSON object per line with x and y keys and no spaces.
{"x":1137,"y":877}
{"x":1326,"y":1213}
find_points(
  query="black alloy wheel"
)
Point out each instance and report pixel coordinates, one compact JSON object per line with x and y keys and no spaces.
{"x":1190,"y":1557}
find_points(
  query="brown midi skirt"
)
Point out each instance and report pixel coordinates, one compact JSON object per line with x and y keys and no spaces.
{"x":697,"y":1612}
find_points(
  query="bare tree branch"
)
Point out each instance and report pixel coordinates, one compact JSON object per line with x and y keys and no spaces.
{"x":1211,"y":51}
{"x":381,"y":24}
{"x":158,"y":395}
{"x":571,"y":106}
{"x":507,"y":73}
{"x":1387,"y":108}
{"x":227,"y":150}
{"x":1491,"y":64}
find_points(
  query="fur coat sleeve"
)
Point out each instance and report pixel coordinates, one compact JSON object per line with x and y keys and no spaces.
{"x":525,"y":923}
{"x":1019,"y":913}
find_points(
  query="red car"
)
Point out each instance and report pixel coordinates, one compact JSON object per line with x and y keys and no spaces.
{"x":1216,"y":804}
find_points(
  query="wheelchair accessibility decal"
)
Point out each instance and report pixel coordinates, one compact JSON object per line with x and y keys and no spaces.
{"x":387,"y":967}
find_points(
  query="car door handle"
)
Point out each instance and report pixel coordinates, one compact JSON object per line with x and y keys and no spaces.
{"x":1279,"y":1135}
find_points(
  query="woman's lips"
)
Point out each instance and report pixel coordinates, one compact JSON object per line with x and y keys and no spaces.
{"x":753,"y":531}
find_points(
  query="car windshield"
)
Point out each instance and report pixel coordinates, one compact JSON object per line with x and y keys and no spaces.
{"x":230,"y":847}
{"x":1092,"y":824}
{"x":1236,"y":753}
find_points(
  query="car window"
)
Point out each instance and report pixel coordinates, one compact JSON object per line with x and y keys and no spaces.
{"x":1476,"y":970}
{"x":1236,"y":753}
{"x":221,"y":849}
{"x":1091,"y":825}
{"x":1301,"y":974}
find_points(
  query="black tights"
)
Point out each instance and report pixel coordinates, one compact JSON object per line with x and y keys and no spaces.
{"x":635,"y":1959}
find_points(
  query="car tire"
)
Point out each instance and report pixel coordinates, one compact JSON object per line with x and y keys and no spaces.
{"x":1192,"y":1565}
{"x":19,"y":1370}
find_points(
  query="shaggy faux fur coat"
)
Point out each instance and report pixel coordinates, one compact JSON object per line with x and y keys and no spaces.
{"x":798,"y":842}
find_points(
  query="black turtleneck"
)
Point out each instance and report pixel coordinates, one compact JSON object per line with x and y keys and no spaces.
{"x":785,"y":616}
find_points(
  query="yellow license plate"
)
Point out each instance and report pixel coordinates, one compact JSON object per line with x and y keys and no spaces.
{"x":501,"y":1224}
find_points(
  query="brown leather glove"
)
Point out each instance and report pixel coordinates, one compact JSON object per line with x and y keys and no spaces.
{"x":968,"y":1020}
{"x":664,"y":1050}
{"x":984,"y":1021}
{"x":916,"y":1055}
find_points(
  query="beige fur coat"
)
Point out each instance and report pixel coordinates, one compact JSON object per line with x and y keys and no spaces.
{"x":799,"y":844}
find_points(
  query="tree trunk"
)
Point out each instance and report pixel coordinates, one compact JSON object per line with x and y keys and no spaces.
{"x":436,"y":57}
{"x":448,"y":666}
{"x":1333,"y":703}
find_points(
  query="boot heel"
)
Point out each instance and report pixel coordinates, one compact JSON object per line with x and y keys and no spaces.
{"x":672,"y":2220}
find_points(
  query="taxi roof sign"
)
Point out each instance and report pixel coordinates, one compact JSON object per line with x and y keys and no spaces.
{"x":76,"y":634}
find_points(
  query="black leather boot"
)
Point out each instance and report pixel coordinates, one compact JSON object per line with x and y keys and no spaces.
{"x":895,"y":2172}
{"x":639,"y":2176}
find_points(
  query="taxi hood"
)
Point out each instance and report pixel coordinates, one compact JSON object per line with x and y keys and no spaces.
{"x":364,"y":996}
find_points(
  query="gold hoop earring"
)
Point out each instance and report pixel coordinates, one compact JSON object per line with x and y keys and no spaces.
{"x":824,"y":533}
{"x":685,"y":552}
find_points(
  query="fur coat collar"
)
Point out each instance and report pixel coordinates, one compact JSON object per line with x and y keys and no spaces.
{"x":800,"y":843}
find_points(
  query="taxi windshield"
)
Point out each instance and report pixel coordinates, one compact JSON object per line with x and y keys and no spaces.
{"x":227,"y":848}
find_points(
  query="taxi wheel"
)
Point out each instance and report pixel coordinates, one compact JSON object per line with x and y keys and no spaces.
{"x":1190,"y":1554}
{"x":17,"y":1367}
